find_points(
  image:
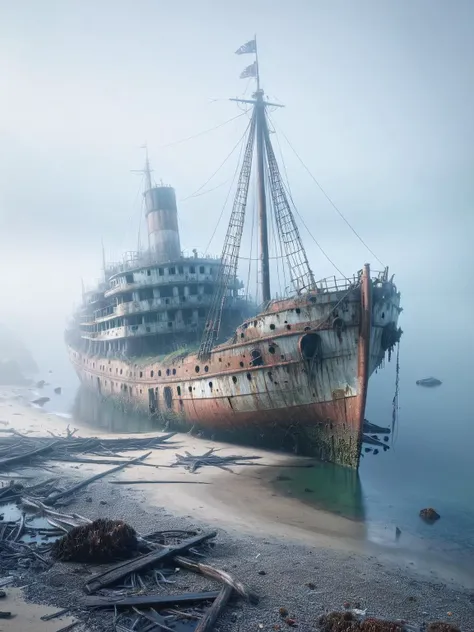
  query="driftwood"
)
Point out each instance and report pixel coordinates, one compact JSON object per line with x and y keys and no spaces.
{"x":55,"y":497}
{"x":221,"y":576}
{"x":6,"y":463}
{"x":148,"y":600}
{"x":207,"y":622}
{"x":118,"y":571}
{"x":193,"y":462}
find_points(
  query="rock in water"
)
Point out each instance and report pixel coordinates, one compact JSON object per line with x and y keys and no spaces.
{"x":429,"y":382}
{"x":429,"y":515}
{"x":101,"y":541}
{"x":441,"y":626}
{"x":41,"y":401}
{"x":57,"y":390}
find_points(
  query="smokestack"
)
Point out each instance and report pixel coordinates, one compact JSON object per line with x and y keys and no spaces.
{"x":162,"y":222}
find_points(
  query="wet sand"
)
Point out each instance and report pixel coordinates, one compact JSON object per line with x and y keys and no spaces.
{"x":246,"y":506}
{"x":27,"y":615}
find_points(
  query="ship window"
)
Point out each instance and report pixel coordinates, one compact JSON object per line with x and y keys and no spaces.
{"x":178,"y":389}
{"x":145,"y":294}
{"x":152,"y":373}
{"x":206,"y":368}
{"x":172,"y":271}
{"x":148,"y":273}
{"x":190,"y":389}
{"x":129,"y":278}
{"x":234,"y":379}
{"x":271,"y":349}
{"x":141,"y":373}
{"x":161,"y":271}
{"x":249,"y":377}
{"x":120,"y":371}
{"x":297,"y":310}
{"x":167,"y":371}
{"x":272,"y":326}
{"x":241,"y":364}
{"x":192,"y":269}
{"x":201,"y":269}
{"x":210,"y":385}
{"x":196,"y":368}
{"x":257,"y":359}
{"x":159,"y":373}
{"x":193,"y":289}
{"x":288,"y":326}
{"x":242,"y":335}
{"x":174,"y":371}
{"x":168,"y":396}
{"x":180,"y":270}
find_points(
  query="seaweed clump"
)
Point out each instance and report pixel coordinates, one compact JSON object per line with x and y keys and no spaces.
{"x":347,"y":622}
{"x":100,"y":541}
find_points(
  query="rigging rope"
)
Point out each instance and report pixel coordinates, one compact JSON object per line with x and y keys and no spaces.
{"x":206,"y":131}
{"x":228,"y":192}
{"x":395,"y":401}
{"x":330,"y":200}
{"x":290,"y":195}
{"x":220,"y":166}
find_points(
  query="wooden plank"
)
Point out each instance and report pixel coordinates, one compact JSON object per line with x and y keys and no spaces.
{"x":52,"y":499}
{"x":116,"y":572}
{"x":148,"y":600}
{"x":6,"y":463}
{"x":206,"y":624}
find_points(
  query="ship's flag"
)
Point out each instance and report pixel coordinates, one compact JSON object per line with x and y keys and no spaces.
{"x":249,"y":47}
{"x":250,"y":71}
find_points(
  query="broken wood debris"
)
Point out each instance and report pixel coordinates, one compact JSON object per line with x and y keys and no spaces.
{"x":193,"y":462}
{"x":148,"y":600}
{"x":207,"y":622}
{"x":18,"y":448}
{"x":118,"y":571}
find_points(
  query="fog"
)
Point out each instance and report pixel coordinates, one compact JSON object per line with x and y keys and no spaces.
{"x":378,"y":103}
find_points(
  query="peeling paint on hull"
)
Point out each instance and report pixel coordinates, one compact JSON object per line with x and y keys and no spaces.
{"x":300,"y":369}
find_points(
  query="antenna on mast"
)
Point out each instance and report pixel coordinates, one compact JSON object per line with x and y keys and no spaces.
{"x":147,"y":170}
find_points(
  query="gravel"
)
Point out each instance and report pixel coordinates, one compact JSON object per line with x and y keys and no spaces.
{"x":289,"y":577}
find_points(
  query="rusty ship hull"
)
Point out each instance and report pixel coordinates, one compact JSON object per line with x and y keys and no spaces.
{"x":299,"y":369}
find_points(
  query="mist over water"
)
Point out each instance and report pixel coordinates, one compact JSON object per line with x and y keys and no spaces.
{"x":379,"y":104}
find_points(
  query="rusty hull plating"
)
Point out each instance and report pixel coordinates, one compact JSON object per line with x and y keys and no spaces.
{"x":298,"y":370}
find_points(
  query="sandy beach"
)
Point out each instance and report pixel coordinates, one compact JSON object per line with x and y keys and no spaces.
{"x":276,"y":543}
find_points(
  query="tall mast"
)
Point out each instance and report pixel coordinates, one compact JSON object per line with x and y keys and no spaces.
{"x":147,"y":170}
{"x":262,"y":198}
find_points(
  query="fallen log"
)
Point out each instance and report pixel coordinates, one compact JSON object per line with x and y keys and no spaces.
{"x":116,"y":572}
{"x":206,"y":624}
{"x":55,"y":497}
{"x":221,"y":576}
{"x":6,"y":463}
{"x":148,"y":600}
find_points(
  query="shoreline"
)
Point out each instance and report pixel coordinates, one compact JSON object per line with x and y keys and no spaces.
{"x":259,"y":530}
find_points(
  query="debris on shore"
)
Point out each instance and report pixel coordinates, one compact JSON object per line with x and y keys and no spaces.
{"x":192,"y":462}
{"x":98,"y":542}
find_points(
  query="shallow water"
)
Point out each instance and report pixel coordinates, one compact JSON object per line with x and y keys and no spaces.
{"x":429,"y":464}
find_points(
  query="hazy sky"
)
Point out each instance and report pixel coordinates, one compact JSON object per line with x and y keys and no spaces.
{"x":379,"y":104}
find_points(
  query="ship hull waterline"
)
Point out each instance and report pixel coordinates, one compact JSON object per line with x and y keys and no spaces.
{"x":296,"y":376}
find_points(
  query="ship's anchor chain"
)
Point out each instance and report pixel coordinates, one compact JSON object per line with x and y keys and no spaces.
{"x":395,"y":401}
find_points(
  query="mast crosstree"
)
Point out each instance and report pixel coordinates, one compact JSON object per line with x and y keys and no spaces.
{"x":267,"y":170}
